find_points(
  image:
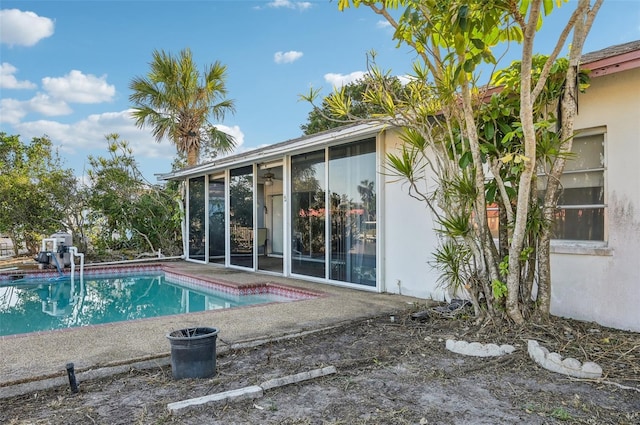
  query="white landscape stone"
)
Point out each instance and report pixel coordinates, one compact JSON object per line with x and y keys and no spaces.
{"x":568,"y":366}
{"x":555,"y":357}
{"x":478,"y":349}
{"x":571,"y":363}
{"x":593,"y":368}
{"x":253,"y":391}
{"x":492,"y":348}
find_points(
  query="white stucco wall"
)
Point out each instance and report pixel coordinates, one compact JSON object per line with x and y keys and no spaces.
{"x":603,"y":285}
{"x":409,"y":239}
{"x":593,"y":282}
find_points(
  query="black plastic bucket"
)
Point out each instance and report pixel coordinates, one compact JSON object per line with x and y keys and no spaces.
{"x":193,"y":352}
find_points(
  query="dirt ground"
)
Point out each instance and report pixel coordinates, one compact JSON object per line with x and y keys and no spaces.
{"x":388,"y":372}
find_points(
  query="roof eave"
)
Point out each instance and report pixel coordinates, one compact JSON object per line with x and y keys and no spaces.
{"x":274,"y":151}
{"x":613,"y":64}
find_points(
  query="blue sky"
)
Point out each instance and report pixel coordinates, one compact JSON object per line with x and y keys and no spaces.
{"x":66,"y":65}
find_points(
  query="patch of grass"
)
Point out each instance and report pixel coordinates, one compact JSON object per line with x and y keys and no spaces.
{"x":561,"y":414}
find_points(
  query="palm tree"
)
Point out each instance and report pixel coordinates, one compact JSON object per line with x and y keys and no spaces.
{"x":176,"y":100}
{"x":367,"y":192}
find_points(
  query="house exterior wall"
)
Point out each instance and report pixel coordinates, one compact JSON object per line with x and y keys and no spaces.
{"x":592,"y":281}
{"x":601,"y":282}
{"x":409,"y":238}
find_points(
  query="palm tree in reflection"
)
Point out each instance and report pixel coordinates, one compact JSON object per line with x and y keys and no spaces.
{"x":366,"y":189}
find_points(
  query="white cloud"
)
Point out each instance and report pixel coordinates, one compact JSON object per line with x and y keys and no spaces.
{"x":287,"y":57}
{"x":235,"y":132}
{"x":77,"y":140}
{"x":405,"y":79}
{"x":383,"y":24}
{"x":9,"y":81}
{"x":89,"y":135}
{"x":23,"y":28}
{"x":300,"y":5}
{"x":339,"y":80}
{"x":73,"y":87}
{"x":12,"y":110}
{"x":77,"y":87}
{"x":47,"y":106}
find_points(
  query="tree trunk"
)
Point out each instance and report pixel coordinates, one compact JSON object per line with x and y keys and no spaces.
{"x":489,"y":251}
{"x":503,"y":230}
{"x":544,"y":271}
{"x":524,"y":184}
{"x":192,"y":157}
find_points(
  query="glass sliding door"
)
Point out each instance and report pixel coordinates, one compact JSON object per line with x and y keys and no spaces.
{"x":217,"y":249}
{"x":197,"y":219}
{"x":308,"y":241}
{"x":352,"y":194}
{"x":241,"y":216}
{"x":270,"y":219}
{"x":277,"y":219}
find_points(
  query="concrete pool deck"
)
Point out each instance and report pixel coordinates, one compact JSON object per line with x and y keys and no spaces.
{"x":32,"y":361}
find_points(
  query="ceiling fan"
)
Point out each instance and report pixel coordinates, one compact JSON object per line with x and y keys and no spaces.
{"x":268,"y":178}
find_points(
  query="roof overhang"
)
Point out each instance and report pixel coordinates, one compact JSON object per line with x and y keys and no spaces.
{"x":614,"y":64}
{"x":278,"y":150}
{"x":613,"y":59}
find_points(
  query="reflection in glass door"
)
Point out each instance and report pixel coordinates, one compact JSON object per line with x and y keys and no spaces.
{"x":308,"y":247}
{"x":270,"y":219}
{"x":216,"y":220}
{"x":352,"y":194}
{"x":196,"y":219}
{"x":241,"y":216}
{"x":277,"y":219}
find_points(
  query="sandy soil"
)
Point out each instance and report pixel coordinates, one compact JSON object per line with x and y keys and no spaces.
{"x":388,"y":372}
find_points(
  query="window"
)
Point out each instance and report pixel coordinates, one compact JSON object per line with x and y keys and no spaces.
{"x":333,"y":213}
{"x":217,"y":221}
{"x":196,"y":218}
{"x":352,"y":196}
{"x":581,"y":206}
{"x":241,"y":216}
{"x":308,"y":190}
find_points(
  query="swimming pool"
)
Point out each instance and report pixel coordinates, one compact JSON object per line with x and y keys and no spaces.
{"x":58,"y":302}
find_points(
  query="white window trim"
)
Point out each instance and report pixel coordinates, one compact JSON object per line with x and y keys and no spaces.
{"x":565,"y":246}
{"x":594,"y":248}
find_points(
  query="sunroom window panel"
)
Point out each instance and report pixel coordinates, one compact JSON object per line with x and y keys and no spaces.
{"x":352,"y":193}
{"x":308,"y":188}
{"x":196,"y":219}
{"x":216,"y":221}
{"x":241,"y":216}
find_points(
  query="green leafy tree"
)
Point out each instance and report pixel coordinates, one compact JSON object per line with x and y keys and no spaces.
{"x":127,"y":213}
{"x":322,"y":118}
{"x":34,"y":191}
{"x":446,"y":130}
{"x":177,"y":101}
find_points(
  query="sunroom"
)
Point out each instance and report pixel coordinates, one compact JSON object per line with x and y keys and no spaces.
{"x":306,"y":208}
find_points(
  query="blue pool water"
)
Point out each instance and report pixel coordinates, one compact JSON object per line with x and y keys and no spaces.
{"x":47,"y":304}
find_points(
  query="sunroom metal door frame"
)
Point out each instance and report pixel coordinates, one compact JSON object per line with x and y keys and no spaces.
{"x":187,"y":233}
